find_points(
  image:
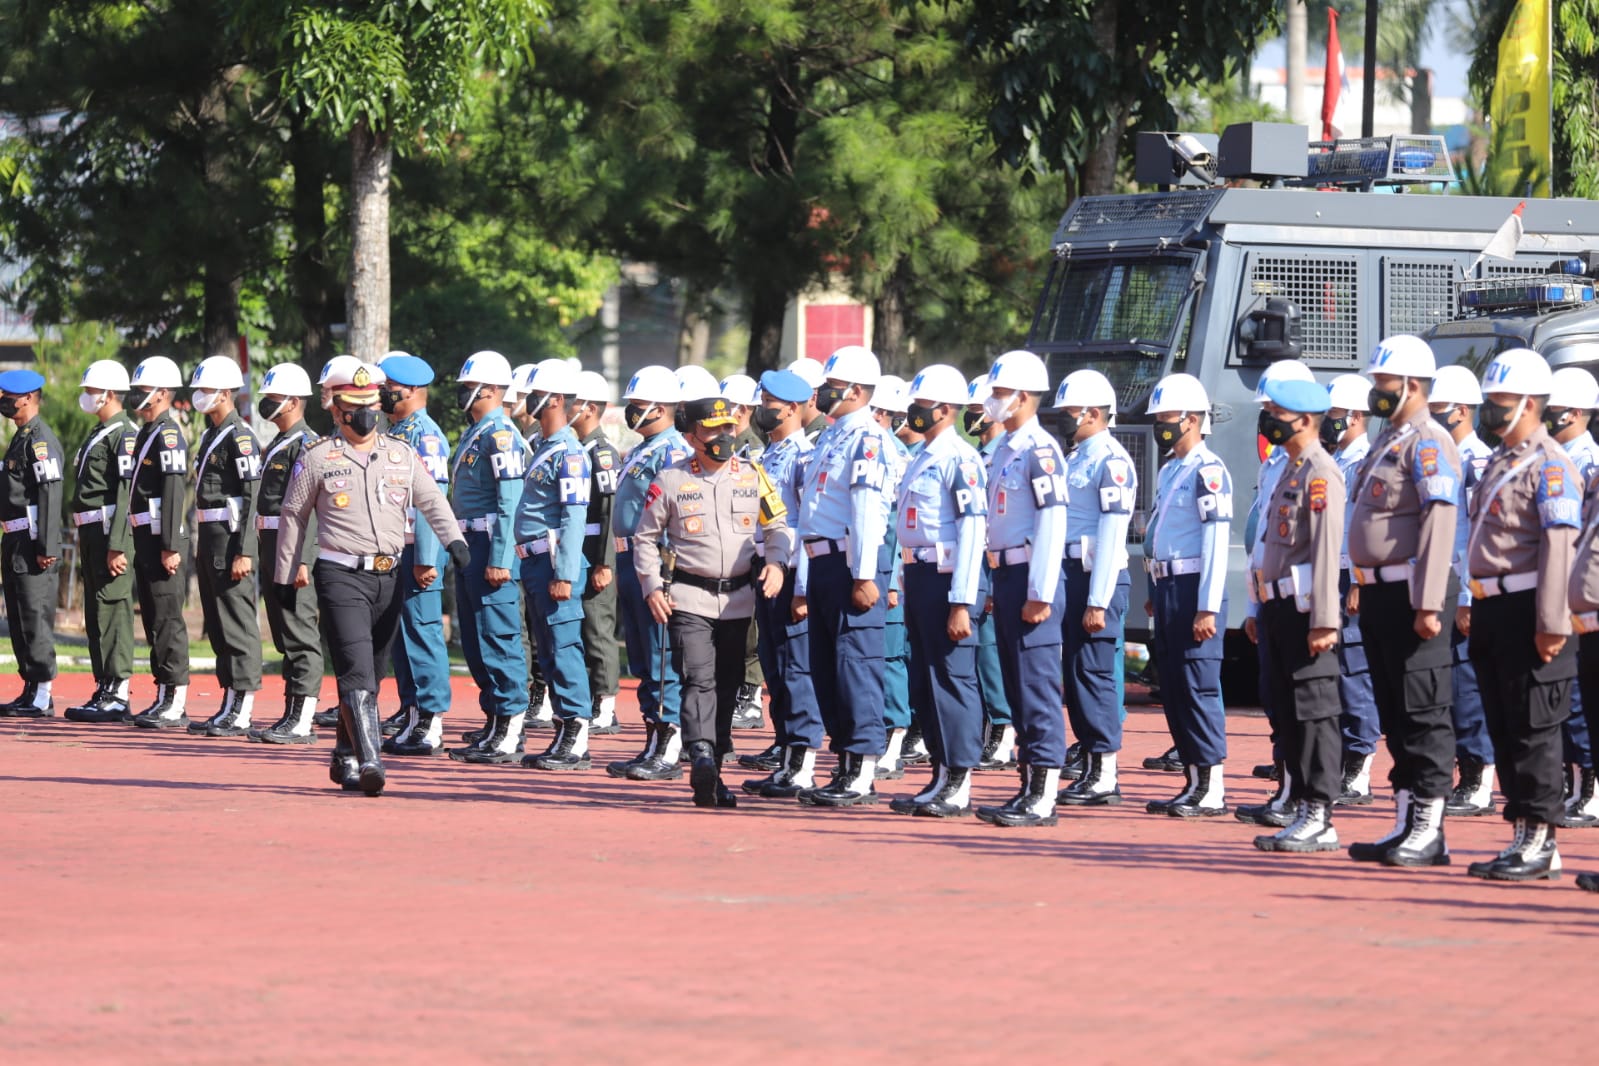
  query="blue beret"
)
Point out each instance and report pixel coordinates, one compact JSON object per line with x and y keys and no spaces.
{"x":1301,"y":397}
{"x":21,"y":381}
{"x":408,"y":370}
{"x":786,"y":385}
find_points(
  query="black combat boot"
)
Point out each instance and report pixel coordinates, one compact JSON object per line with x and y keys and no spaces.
{"x":367,"y":733}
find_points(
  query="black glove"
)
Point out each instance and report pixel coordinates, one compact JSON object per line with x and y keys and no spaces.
{"x":285,"y":595}
{"x":460,"y":554}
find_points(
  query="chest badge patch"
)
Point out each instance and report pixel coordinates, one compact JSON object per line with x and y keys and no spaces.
{"x":1318,"y":494}
{"x":341,"y":499}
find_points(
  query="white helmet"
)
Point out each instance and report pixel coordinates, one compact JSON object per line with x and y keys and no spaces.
{"x":107,"y":374}
{"x":556,"y":377}
{"x":593,"y":388}
{"x":286,"y":379}
{"x":486,"y":368}
{"x":1455,"y":384}
{"x":938,"y":384}
{"x":853,"y":365}
{"x":218,"y":373}
{"x":1284,"y":370}
{"x":740,"y":389}
{"x":653,"y":384}
{"x":694,"y":382}
{"x":890,"y":394}
{"x":157,"y":372}
{"x":1181,"y":393}
{"x":1019,"y":370}
{"x":342,"y":363}
{"x":809,"y":370}
{"x":1350,"y":392}
{"x":1519,"y":372}
{"x":1403,"y":356}
{"x":1573,"y":387}
{"x":521,"y":377}
{"x":1087,"y":388}
{"x":977,"y":390}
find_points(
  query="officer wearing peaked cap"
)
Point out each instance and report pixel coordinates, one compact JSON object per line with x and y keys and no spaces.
{"x":1525,"y":520}
{"x":1297,"y":586}
{"x":31,"y":512}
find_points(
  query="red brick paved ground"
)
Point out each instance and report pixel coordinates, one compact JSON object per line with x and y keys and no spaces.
{"x":181,"y":900}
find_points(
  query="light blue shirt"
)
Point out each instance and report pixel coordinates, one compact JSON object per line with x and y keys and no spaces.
{"x":1027,"y":504}
{"x":784,"y":462}
{"x":486,"y":481}
{"x":1192,"y":518}
{"x":888,"y":555}
{"x":424,"y":435}
{"x":1348,"y":460}
{"x":849,"y":487}
{"x":1584,"y":453}
{"x":648,"y":458}
{"x":1102,"y":488}
{"x":1474,"y":455}
{"x":943,"y":505}
{"x":1270,"y":472}
{"x":555,"y":499}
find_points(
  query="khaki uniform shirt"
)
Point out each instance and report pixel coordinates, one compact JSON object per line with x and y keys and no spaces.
{"x":711,"y":519}
{"x":1304,"y":525}
{"x":1405,"y":502}
{"x":1525,"y":516}
{"x":360,"y":499}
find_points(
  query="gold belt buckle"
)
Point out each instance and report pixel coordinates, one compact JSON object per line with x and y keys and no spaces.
{"x":382,"y":563}
{"x":1476,"y":588}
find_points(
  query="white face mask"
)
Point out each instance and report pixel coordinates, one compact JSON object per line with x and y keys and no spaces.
{"x":203,"y":400}
{"x":999,"y":408}
{"x":91,"y":402}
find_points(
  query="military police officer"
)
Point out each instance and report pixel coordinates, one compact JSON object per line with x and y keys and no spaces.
{"x":1026,"y":542}
{"x":1525,"y":517}
{"x":1185,"y":554}
{"x":599,"y":548}
{"x":285,"y":391}
{"x":888,"y":408}
{"x":160,"y":538}
{"x":31,"y":512}
{"x":361,"y":488}
{"x":942,"y":527}
{"x":100,"y":511}
{"x":1297,"y":586}
{"x":709,"y":508}
{"x":999,"y":743}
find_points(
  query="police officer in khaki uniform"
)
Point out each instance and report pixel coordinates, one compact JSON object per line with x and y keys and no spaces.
{"x":359,"y":486}
{"x":1401,"y":543}
{"x":225,"y":473}
{"x":284,"y":393}
{"x":156,"y":509}
{"x":31,"y":509}
{"x":710,"y":508}
{"x":1525,"y":517}
{"x":99,"y":509}
{"x":1297,"y":585}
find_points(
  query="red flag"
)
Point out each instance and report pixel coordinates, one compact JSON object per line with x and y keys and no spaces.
{"x":1334,"y":81}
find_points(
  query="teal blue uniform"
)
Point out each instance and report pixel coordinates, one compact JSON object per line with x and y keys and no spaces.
{"x":421,"y":666}
{"x":549,"y":541}
{"x":659,"y":695}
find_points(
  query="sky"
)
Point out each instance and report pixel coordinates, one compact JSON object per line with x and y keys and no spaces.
{"x":1448,"y":65}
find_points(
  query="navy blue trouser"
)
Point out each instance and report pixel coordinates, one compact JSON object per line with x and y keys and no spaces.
{"x":659,"y":697}
{"x":1359,"y":720}
{"x":1030,"y":658}
{"x":1575,"y":732}
{"x":421,"y":665}
{"x":943,"y":674}
{"x":1190,"y":672}
{"x":558,"y":637}
{"x":1092,"y":690}
{"x":1470,"y":721}
{"x":784,"y":646}
{"x":491,"y":634}
{"x":847,"y":663}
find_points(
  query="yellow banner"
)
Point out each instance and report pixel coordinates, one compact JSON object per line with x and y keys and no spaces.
{"x":1520,"y":107}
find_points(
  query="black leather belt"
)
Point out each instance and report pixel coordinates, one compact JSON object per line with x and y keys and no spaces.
{"x":719,"y":585}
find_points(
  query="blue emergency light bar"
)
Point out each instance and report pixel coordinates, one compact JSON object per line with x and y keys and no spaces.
{"x":1400,"y":159}
{"x":1502,"y":294}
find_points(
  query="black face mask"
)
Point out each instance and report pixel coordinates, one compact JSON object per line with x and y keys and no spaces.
{"x":1492,"y":417}
{"x":466,"y":394}
{"x":388,"y":399}
{"x":1275,"y":430}
{"x":1167,"y":434}
{"x":829,"y":397}
{"x":972,"y":422}
{"x":364,"y":420}
{"x":1384,"y":402}
{"x":139,"y":399}
{"x":719,"y":449}
{"x":921,"y":417}
{"x":633,"y":414}
{"x":895,"y":423}
{"x":1064,"y":426}
{"x":682,"y":421}
{"x":1333,"y":429}
{"x":1453,"y":420}
{"x":269,"y":406}
{"x":765,"y":419}
{"x":1555,"y":422}
{"x":8,"y":406}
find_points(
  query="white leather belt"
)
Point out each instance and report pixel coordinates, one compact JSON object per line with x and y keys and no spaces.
{"x":815,"y":548}
{"x":1586,"y":622}
{"x":624,"y":544}
{"x":1160,"y":569}
{"x":592,"y":529}
{"x":476,"y":525}
{"x":1343,"y":562}
{"x":1381,"y":575}
{"x":381,"y":564}
{"x":213,"y":514}
{"x":928,"y":554}
{"x":1281,"y":589}
{"x":1074,"y":549}
{"x":266,"y":521}
{"x":13,"y":525}
{"x":93,"y":515}
{"x":1009,"y":556}
{"x":533,"y":547}
{"x":150,"y":517}
{"x":1484,"y":587}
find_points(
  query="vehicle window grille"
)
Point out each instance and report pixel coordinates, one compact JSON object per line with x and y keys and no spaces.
{"x":1514,"y":270}
{"x":1326,"y":289}
{"x":1142,"y":220}
{"x":1418,"y":294}
{"x":1139,"y":442}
